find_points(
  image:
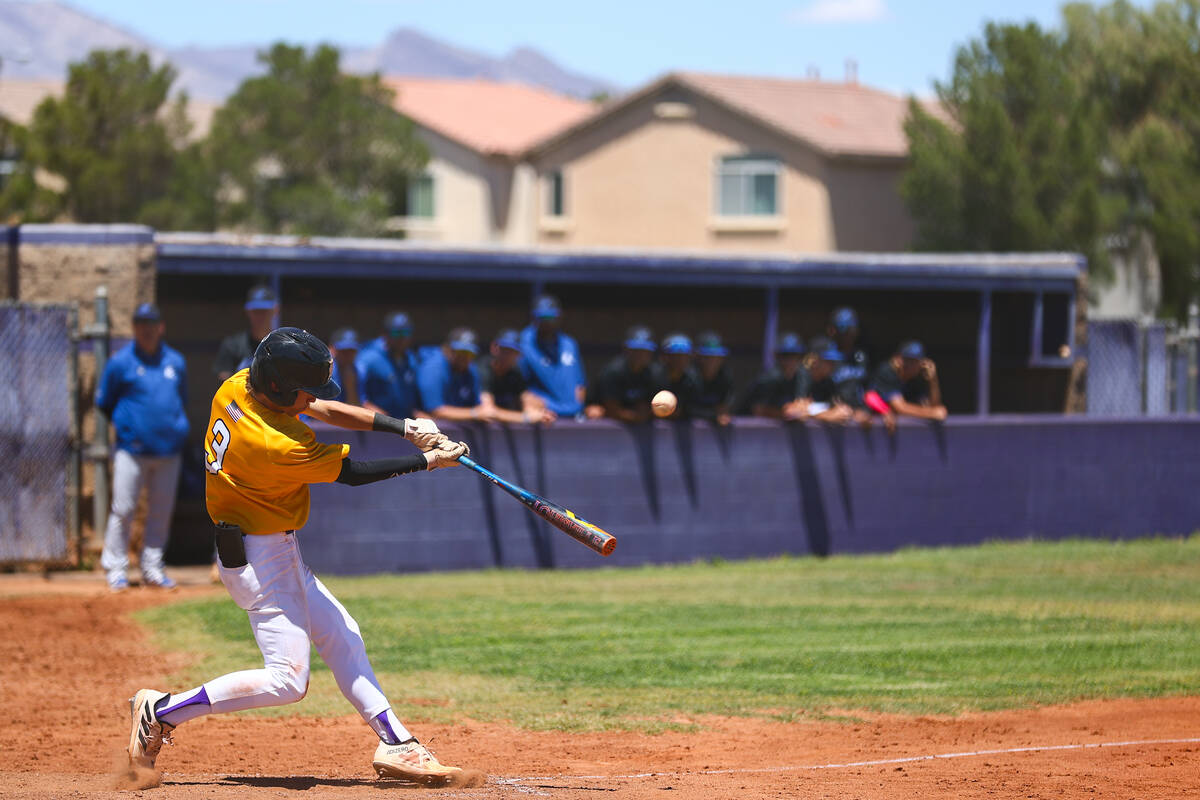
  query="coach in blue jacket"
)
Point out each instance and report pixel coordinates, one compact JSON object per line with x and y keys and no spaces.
{"x":550,"y":360}
{"x":144,"y":392}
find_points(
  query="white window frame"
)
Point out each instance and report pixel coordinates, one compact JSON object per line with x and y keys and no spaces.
{"x":410,"y":184}
{"x":746,"y":166}
{"x":555,"y":180}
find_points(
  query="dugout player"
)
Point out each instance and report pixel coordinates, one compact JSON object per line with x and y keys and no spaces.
{"x":503,"y":387}
{"x":678,"y":377}
{"x":716,"y":384}
{"x":907,"y":384}
{"x":448,"y":380}
{"x":345,"y":348}
{"x":236,"y":350}
{"x":550,"y":360}
{"x":821,"y":391}
{"x":260,"y":459}
{"x":781,"y":393}
{"x":389,"y":369}
{"x":626,"y":386}
{"x":144,"y":391}
{"x":852,"y":373}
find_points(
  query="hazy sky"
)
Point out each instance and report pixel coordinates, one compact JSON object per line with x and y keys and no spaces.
{"x":900,"y":45}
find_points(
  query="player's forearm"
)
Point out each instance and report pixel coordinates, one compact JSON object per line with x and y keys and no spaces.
{"x":454,"y":413}
{"x":358,"y":473}
{"x":935,"y":392}
{"x":343,"y":415}
{"x":913,"y":410}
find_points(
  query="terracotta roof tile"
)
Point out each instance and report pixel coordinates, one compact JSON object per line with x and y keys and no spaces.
{"x":487,"y":116}
{"x":836,"y":118}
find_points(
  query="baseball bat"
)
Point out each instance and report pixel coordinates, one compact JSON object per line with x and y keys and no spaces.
{"x":564,"y":519}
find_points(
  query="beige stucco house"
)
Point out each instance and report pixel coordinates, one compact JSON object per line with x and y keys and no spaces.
{"x":476,"y":187}
{"x":717,"y":162}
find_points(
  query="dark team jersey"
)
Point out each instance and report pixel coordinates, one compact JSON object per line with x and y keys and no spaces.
{"x":235,"y":353}
{"x":851,"y":378}
{"x":715,"y":395}
{"x":823,"y":391}
{"x":686,"y":389}
{"x":887,"y":382}
{"x":628,"y":389}
{"x":506,"y":389}
{"x":775,"y":390}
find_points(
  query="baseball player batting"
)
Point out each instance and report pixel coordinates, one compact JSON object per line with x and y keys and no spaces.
{"x":260,"y":459}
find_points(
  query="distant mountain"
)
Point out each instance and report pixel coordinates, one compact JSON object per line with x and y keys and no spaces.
{"x":39,"y":40}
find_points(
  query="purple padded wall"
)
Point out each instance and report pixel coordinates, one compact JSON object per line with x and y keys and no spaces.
{"x":676,"y":492}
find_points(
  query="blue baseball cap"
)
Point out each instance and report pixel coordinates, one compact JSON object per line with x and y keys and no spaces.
{"x":639,"y":337}
{"x":463,"y":340}
{"x":790,"y":344}
{"x":709,"y":343}
{"x":345,"y":339}
{"x":677,"y":343}
{"x":260,"y":298}
{"x":546,"y":307}
{"x":826,"y":350}
{"x":147,"y":312}
{"x":844,"y":319}
{"x":508,"y":339}
{"x":397,"y":324}
{"x":912,"y":349}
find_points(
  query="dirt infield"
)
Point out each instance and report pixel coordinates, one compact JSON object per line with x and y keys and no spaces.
{"x":69,"y":656}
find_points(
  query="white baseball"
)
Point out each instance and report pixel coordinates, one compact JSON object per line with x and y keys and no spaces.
{"x":663,"y":404}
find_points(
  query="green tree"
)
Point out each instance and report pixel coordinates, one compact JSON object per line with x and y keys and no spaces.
{"x":21,"y":198}
{"x":1011,"y":162}
{"x":305,"y":149}
{"x":112,"y":138}
{"x":1140,"y":66}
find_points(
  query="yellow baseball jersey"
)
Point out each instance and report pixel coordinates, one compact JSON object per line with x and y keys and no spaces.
{"x":260,"y":462}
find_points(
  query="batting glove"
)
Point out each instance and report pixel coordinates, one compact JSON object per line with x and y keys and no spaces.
{"x":423,"y":433}
{"x":446,"y":454}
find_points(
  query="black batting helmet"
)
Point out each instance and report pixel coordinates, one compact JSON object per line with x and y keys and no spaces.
{"x":289,"y":360}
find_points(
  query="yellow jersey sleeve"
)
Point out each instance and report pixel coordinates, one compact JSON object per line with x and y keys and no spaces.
{"x":296,"y":453}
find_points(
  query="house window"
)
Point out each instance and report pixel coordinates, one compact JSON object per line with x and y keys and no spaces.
{"x":554,"y":194}
{"x":747,"y":186}
{"x":414,"y":197}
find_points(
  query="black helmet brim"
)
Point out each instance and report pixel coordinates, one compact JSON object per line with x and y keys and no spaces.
{"x":327,"y":392}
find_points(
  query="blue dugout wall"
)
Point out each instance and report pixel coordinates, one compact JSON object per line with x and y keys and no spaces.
{"x":677,"y":492}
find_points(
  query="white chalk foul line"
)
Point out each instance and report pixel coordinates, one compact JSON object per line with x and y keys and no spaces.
{"x":850,"y":764}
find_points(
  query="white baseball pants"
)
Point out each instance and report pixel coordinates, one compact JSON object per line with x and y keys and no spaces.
{"x":160,"y":475}
{"x":289,"y":608}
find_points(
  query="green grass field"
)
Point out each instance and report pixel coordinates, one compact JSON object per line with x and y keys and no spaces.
{"x":928,"y":631}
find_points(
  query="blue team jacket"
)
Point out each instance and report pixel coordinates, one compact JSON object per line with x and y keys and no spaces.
{"x":391,"y":386}
{"x":146,"y":397}
{"x":553,"y":375}
{"x":442,"y":386}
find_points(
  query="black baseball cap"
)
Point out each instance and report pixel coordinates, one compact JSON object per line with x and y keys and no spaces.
{"x":709,"y":343}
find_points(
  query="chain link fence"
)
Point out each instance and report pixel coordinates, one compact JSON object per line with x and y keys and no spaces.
{"x":39,"y":484}
{"x":1141,"y":368}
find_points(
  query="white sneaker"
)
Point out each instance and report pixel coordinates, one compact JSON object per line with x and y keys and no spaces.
{"x":412,"y":761}
{"x":146,"y":733}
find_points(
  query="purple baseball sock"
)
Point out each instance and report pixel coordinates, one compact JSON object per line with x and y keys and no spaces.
{"x":176,"y":708}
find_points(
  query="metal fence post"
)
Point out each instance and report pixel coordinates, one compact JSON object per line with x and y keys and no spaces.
{"x":74,"y":463}
{"x":98,"y":332}
{"x":1193,"y":332}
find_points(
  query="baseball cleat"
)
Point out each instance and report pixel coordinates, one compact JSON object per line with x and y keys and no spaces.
{"x":146,"y":734}
{"x":412,"y":761}
{"x":118,"y":583}
{"x":160,"y":581}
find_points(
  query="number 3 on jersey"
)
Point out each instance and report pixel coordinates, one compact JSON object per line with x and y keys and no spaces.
{"x":217,"y":447}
